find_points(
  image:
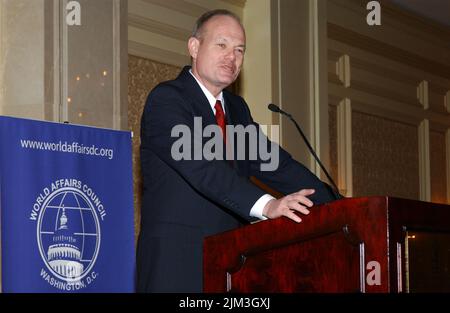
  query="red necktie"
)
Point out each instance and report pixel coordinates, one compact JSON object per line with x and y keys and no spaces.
{"x":220,"y":118}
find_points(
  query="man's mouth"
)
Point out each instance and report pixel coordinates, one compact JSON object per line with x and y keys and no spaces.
{"x":228,"y":68}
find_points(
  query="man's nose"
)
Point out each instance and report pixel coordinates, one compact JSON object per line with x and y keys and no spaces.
{"x":231,"y":55}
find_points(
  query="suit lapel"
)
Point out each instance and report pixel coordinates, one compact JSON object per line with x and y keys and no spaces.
{"x":202,"y":107}
{"x":232,"y":115}
{"x":200,"y":103}
{"x":197,"y":98}
{"x":233,"y":118}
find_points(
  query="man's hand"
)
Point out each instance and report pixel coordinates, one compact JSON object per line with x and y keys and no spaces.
{"x":286,"y":206}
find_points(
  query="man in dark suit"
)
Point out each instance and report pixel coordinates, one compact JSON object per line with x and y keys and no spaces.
{"x":185,"y":200}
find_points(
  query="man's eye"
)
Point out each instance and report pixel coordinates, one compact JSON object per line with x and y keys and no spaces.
{"x":222,"y":45}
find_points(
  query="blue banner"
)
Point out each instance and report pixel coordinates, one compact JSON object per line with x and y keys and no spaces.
{"x":66,"y":201}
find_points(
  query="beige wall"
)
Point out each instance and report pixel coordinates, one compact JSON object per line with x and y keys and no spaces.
{"x":22,"y":58}
{"x":389,"y":86}
{"x":95,"y":67}
{"x":159,"y":29}
{"x":256,"y":75}
{"x":299,"y":76}
{"x":50,"y":70}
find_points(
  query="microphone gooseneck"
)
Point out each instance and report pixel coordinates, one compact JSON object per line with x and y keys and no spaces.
{"x":274,"y":108}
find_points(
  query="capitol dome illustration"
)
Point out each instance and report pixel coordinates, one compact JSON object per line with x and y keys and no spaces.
{"x":64,"y":256}
{"x":68,"y":234}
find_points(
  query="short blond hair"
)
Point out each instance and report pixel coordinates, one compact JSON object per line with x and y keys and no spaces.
{"x":205,"y":17}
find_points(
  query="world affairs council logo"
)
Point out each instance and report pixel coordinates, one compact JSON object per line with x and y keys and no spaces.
{"x":68,"y":233}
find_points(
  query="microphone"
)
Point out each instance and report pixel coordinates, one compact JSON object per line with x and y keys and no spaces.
{"x":274,"y":108}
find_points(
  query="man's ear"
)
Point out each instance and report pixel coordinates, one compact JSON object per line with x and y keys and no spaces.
{"x":193,"y":45}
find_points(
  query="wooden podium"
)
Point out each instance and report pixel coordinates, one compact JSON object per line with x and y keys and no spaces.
{"x":375,"y":244}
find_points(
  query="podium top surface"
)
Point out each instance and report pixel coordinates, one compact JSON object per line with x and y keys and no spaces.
{"x":354,"y":214}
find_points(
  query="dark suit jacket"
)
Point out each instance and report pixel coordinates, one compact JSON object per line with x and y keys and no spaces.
{"x":184,"y":201}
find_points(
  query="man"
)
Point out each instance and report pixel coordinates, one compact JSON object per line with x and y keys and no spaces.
{"x":185,"y":200}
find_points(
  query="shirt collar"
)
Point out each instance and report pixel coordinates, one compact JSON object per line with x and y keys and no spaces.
{"x":211,"y":99}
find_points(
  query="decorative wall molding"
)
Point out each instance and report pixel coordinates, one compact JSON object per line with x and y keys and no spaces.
{"x":158,"y":27}
{"x":370,"y":108}
{"x":397,"y":74}
{"x":317,"y":87}
{"x":422,"y":94}
{"x":157,"y":54}
{"x":388,"y":51}
{"x":377,"y":105}
{"x":384,"y":66}
{"x":117,"y":41}
{"x":64,"y":57}
{"x":415,"y":21}
{"x":383,"y":77}
{"x":383,"y":71}
{"x":372,"y":89}
{"x":180,"y":6}
{"x":404,"y":20}
{"x":374,"y":78}
{"x":447,"y":101}
{"x":343,"y":70}
{"x":447,"y":150}
{"x":424,"y":161}
{"x":238,"y":3}
{"x":344,"y":144}
{"x":56,"y":73}
{"x":388,"y":108}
